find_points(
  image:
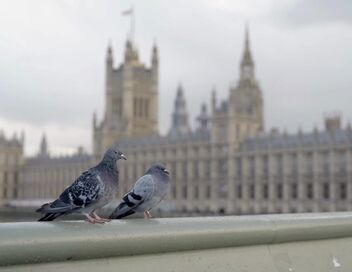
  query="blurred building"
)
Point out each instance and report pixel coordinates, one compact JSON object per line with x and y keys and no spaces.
{"x":44,"y":176}
{"x":131,"y":100}
{"x":11,"y":161}
{"x":304,"y":172}
{"x":227,"y":164}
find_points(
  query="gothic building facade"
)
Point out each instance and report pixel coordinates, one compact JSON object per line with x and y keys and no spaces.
{"x":227,"y":164}
{"x":131,"y":100}
{"x":11,"y":162}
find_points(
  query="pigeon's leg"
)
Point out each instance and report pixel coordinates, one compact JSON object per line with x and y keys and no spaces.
{"x":99,"y":218}
{"x":91,"y":219}
{"x":147,"y":215}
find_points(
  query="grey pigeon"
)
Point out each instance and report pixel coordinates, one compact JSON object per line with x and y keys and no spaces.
{"x":92,"y":190}
{"x":146,"y":193}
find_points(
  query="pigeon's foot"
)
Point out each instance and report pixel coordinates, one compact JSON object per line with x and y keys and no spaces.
{"x":147,"y":215}
{"x":93,"y":220}
{"x":97,"y":217}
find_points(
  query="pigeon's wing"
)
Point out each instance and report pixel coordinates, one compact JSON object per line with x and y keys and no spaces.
{"x":83,"y":192}
{"x":142,"y":191}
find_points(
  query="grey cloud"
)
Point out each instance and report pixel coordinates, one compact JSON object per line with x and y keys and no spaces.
{"x":309,"y":12}
{"x":53,"y":73}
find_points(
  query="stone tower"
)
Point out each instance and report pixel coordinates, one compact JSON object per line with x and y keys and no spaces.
{"x":203,"y":118}
{"x":246,"y":102}
{"x":241,"y":115}
{"x":43,"y":149}
{"x":332,"y":122}
{"x":180,"y":123}
{"x":131,"y":100}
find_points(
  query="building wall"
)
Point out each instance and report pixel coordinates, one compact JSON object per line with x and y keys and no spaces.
{"x":198,"y":180}
{"x":46,"y":177}
{"x":312,"y":176}
{"x":11,"y":160}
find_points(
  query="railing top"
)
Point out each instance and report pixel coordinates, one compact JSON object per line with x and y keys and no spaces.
{"x":36,"y":242}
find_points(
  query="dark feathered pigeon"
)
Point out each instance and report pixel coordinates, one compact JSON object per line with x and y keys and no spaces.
{"x":92,"y":190}
{"x":147,"y":192}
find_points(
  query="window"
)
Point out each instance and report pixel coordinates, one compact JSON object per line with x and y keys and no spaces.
{"x":279,"y":165}
{"x":207,"y":168}
{"x":196,"y":169}
{"x":208,"y":192}
{"x":294,"y":190}
{"x":5,"y":185}
{"x":15,"y":185}
{"x":251,"y":167}
{"x":146,"y":108}
{"x":342,"y":163}
{"x":265,"y":191}
{"x":196,"y":192}
{"x":309,"y":191}
{"x":184,"y":191}
{"x":222,"y":167}
{"x":343,"y":191}
{"x":251,"y":191}
{"x":239,"y":191}
{"x":294,"y":165}
{"x":239,"y":167}
{"x":279,"y":191}
{"x":309,"y":164}
{"x":265,"y":166}
{"x":184,"y":170}
{"x":326,"y":164}
{"x":326,"y":190}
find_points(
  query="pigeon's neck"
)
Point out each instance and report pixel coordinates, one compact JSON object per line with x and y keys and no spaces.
{"x":108,"y":165}
{"x":162,"y":176}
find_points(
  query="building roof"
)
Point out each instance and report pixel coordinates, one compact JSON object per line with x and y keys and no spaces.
{"x":165,"y":140}
{"x":283,"y":141}
{"x":47,"y":160}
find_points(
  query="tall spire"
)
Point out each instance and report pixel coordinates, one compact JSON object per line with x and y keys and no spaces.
{"x":203,"y":118}
{"x":109,"y":54}
{"x":180,"y":123}
{"x":155,"y":58}
{"x":247,"y":38}
{"x":247,"y":64}
{"x":43,"y":152}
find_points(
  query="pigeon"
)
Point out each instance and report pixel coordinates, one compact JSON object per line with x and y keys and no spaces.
{"x":146,"y":193}
{"x":92,"y":190}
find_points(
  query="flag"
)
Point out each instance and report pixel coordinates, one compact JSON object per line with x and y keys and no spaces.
{"x":127,"y":12}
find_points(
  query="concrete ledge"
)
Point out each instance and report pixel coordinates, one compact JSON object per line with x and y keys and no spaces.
{"x":38,"y":242}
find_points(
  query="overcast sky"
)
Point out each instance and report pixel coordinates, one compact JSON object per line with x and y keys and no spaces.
{"x":52,"y":60}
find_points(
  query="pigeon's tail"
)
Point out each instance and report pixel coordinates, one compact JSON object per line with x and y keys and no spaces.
{"x":50,"y":216}
{"x":121,"y":211}
{"x":53,"y":210}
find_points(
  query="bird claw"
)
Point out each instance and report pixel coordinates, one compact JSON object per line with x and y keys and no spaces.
{"x":147,"y":215}
{"x":99,"y":219}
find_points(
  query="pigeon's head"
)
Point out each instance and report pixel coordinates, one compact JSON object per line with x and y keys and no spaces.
{"x":158,"y":168}
{"x":113,"y":154}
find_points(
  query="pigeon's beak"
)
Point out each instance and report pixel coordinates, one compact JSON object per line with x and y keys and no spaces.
{"x":166,"y":172}
{"x":122,"y":156}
